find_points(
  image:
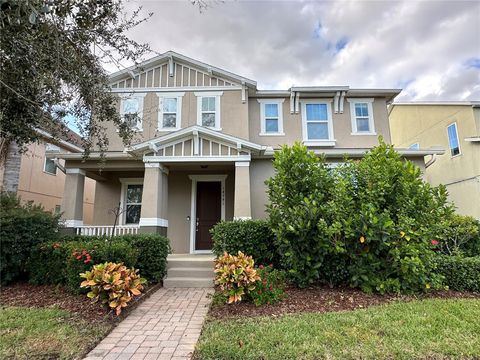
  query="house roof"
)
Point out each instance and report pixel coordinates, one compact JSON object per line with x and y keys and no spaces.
{"x":184,"y":59}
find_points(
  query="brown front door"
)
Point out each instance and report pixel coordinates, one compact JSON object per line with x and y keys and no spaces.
{"x":209,"y":212}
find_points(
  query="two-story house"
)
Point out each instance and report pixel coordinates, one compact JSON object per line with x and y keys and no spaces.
{"x":454,"y":126}
{"x":204,"y":144}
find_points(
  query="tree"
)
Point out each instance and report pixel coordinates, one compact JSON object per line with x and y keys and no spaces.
{"x":52,"y":55}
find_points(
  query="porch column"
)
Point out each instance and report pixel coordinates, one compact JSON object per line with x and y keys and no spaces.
{"x":153,"y":216}
{"x":242,"y":207}
{"x":72,"y":203}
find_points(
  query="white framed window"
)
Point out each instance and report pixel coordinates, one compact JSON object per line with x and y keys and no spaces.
{"x":271,"y":117}
{"x":131,"y":200}
{"x":361,"y":112}
{"x":317,"y":123}
{"x":131,"y":110}
{"x":414,"y":146}
{"x":453,"y":142}
{"x":208,"y":109}
{"x":50,"y":167}
{"x":170,"y":111}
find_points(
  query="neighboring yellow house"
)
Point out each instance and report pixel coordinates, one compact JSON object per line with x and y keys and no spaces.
{"x":37,"y":178}
{"x":454,"y":126}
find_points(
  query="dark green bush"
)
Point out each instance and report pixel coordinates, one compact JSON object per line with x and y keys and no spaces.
{"x":252,"y":237}
{"x":153,"y":250}
{"x":62,"y":262}
{"x":461,"y":273}
{"x":376,"y":215}
{"x":46,"y":264}
{"x":22,"y":227}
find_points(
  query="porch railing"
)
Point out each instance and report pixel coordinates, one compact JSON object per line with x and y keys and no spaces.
{"x":100,"y":230}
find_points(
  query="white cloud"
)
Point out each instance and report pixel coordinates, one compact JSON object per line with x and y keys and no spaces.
{"x":423,"y":46}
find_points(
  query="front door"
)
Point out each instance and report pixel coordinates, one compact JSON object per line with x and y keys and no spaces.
{"x":209,"y":212}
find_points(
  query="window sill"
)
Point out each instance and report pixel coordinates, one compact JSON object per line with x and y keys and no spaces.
{"x":49,"y":173}
{"x":167,"y":129}
{"x":134,"y":130}
{"x":271,"y":134}
{"x":363,"y":133}
{"x":325,"y":143}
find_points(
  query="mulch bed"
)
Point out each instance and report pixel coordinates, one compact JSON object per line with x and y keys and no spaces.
{"x":39,"y":296}
{"x":321,"y":300}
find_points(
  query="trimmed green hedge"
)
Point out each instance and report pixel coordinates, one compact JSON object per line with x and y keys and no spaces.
{"x":461,"y":273}
{"x":252,"y":237}
{"x":22,"y":227}
{"x":61,"y":262}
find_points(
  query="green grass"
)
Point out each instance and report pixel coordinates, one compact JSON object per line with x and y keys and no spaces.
{"x":46,"y":333}
{"x":418,"y":329}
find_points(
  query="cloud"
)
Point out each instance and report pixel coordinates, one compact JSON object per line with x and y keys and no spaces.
{"x":429,"y":48}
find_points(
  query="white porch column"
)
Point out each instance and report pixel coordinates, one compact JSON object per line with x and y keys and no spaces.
{"x":242,"y":207}
{"x":72,"y":203}
{"x":153,"y":217}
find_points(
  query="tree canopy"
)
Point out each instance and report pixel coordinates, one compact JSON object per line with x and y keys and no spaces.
{"x":52,"y":55}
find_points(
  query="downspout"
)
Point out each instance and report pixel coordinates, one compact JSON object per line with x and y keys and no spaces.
{"x":342,"y":97}
{"x":431,"y":161}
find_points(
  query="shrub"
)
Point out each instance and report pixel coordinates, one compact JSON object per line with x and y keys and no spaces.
{"x":82,"y":255}
{"x":153,"y":250}
{"x":270,"y":287}
{"x":460,"y":236}
{"x":235,"y":275}
{"x":46,"y":264}
{"x":377,"y":216}
{"x":251,"y":237}
{"x":461,"y":273}
{"x":299,"y":196}
{"x":113,"y":284}
{"x":22,"y":227}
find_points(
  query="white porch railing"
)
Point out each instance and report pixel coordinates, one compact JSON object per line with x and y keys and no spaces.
{"x":100,"y":230}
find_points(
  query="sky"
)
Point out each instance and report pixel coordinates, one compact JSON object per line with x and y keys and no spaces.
{"x":430,"y":49}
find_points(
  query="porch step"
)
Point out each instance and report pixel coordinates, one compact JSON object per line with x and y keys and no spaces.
{"x":189,"y":270}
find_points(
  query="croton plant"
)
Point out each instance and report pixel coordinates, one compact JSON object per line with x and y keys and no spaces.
{"x":236,"y":275}
{"x":113,"y":284}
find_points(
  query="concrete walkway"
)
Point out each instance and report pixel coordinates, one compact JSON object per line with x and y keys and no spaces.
{"x":165,"y":326}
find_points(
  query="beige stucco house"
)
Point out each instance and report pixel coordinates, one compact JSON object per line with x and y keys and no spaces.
{"x":204,"y":143}
{"x":454,"y":126}
{"x":39,"y":178}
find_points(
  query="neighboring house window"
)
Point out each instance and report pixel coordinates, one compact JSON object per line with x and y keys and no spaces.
{"x":131,"y":200}
{"x":453,"y":139}
{"x":361,"y":111}
{"x":131,"y":110}
{"x":208,"y":109}
{"x":170,"y":111}
{"x":50,"y":167}
{"x":271,"y":116}
{"x":415,"y":146}
{"x":317,"y":123}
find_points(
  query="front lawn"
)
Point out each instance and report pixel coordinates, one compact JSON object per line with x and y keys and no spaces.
{"x":46,"y":333}
{"x":433,"y":328}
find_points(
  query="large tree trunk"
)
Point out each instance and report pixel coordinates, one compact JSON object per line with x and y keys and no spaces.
{"x":11,"y":167}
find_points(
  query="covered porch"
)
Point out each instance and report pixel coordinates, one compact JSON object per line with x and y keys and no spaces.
{"x":178,"y":185}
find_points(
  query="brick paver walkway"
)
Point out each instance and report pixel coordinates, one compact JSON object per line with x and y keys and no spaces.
{"x":165,"y":326}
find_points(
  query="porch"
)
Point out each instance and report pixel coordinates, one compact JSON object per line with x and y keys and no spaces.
{"x":180,"y":187}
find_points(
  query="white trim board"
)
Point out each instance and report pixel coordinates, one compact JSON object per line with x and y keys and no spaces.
{"x":193,"y":204}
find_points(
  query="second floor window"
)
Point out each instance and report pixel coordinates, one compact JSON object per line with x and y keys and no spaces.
{"x":50,"y":167}
{"x":131,"y":110}
{"x":208,"y":109}
{"x":271,"y":116}
{"x":453,"y":139}
{"x":170,"y":110}
{"x":317,"y":122}
{"x":362,"y":116}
